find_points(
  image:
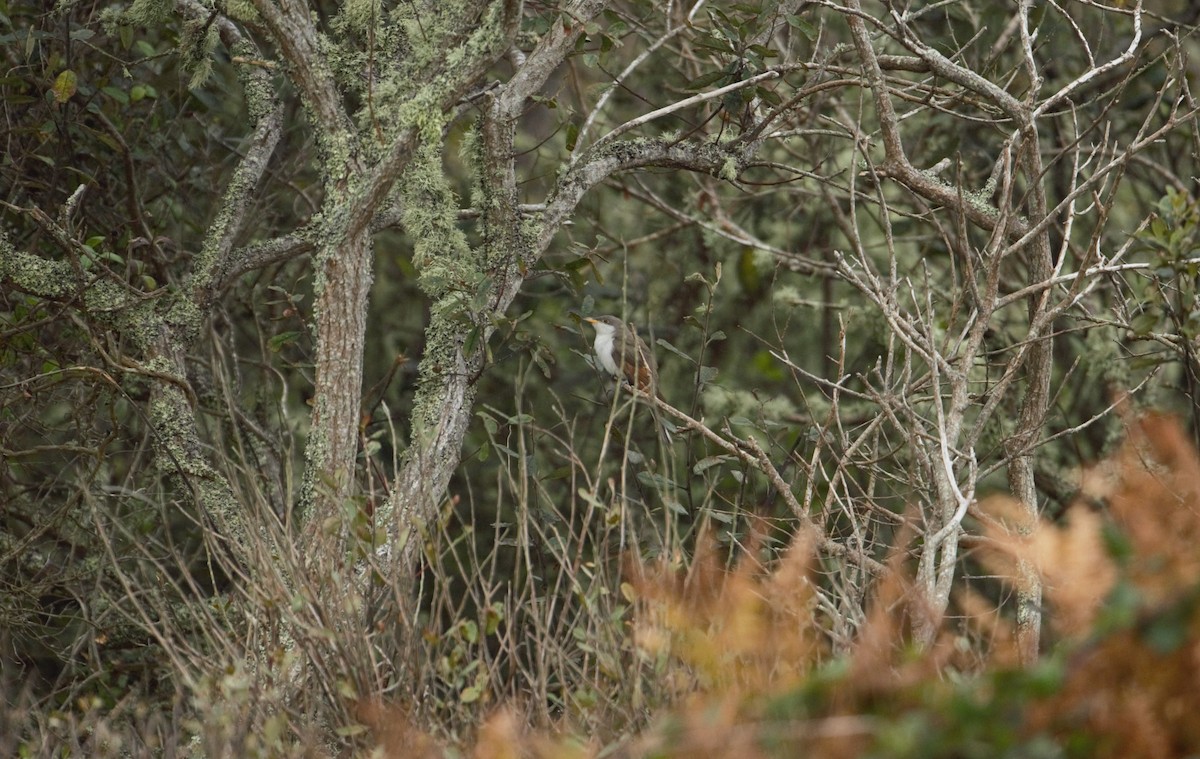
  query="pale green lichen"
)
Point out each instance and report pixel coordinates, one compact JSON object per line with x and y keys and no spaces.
{"x":429,"y":63}
{"x":241,"y":185}
{"x":196,"y":45}
{"x":360,"y":15}
{"x":728,"y":170}
{"x":788,"y":296}
{"x":149,"y":12}
{"x":241,"y":10}
{"x":141,"y":324}
{"x":441,"y":255}
{"x":259,"y":93}
{"x":57,"y":280}
{"x":49,"y":279}
{"x":185,"y":319}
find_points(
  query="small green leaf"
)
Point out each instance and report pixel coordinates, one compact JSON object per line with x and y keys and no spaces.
{"x":277,"y":342}
{"x":1144,"y":323}
{"x":705,"y":80}
{"x":493,"y":617}
{"x":116,"y":94}
{"x":664,"y":344}
{"x":470,"y":630}
{"x":65,"y":86}
{"x":656,"y":481}
{"x":804,"y":26}
{"x":709,"y":462}
{"x":770,"y":97}
{"x":674,"y":506}
{"x":141,"y":92}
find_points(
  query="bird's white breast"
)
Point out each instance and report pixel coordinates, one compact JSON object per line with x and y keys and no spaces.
{"x":604,"y":349}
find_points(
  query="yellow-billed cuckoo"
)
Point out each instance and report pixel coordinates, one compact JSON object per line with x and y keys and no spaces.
{"x":621,"y":353}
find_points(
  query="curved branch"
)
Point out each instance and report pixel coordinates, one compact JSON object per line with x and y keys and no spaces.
{"x":896,"y":164}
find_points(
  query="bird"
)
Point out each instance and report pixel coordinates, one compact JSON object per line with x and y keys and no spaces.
{"x":621,"y":353}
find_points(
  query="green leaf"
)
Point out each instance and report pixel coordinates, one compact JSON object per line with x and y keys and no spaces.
{"x":469,"y":630}
{"x":674,"y":506}
{"x":656,"y":481}
{"x":277,"y":342}
{"x":471,"y":341}
{"x":704,"y":80}
{"x":770,"y":97}
{"x":470,"y":694}
{"x":116,"y":94}
{"x":65,"y":86}
{"x":489,"y":422}
{"x":804,"y":26}
{"x":142,"y":92}
{"x":1144,"y":323}
{"x":724,"y":517}
{"x":493,"y":617}
{"x":664,"y":344}
{"x":708,"y":462}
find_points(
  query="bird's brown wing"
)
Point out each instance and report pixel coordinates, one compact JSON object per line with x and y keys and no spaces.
{"x":637,"y":363}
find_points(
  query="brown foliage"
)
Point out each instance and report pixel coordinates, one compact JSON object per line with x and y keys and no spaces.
{"x":1135,"y":690}
{"x":730,"y":631}
{"x":743,"y":650}
{"x":1126,"y":693}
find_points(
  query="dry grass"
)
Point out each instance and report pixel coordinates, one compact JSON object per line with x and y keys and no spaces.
{"x":721,"y":658}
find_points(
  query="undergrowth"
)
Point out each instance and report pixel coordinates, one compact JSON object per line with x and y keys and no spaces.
{"x":732,"y":656}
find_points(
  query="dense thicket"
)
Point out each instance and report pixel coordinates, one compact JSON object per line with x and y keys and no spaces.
{"x":299,"y":422}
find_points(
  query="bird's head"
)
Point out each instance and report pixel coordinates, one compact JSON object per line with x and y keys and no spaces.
{"x":605,"y":325}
